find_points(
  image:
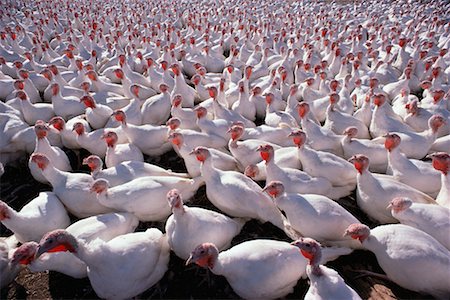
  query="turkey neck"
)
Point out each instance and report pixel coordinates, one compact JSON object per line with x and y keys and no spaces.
{"x":218,"y":107}
{"x":205,"y":123}
{"x":54,"y":176}
{"x":347,"y":139}
{"x":96,"y":173}
{"x":314,"y":269}
{"x":126,"y":82}
{"x":60,"y":80}
{"x":207,"y":168}
{"x":292,"y":102}
{"x":396,"y":160}
{"x":272,"y":169}
{"x":308,"y":122}
{"x":26,"y":108}
{"x":179,"y":212}
{"x":86,"y":252}
{"x":43,"y":145}
{"x":179,"y":81}
{"x":366,"y":181}
{"x":443,"y":198}
{"x":16,"y":221}
{"x":306,"y":155}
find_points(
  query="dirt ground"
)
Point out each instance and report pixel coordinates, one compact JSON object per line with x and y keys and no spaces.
{"x":17,"y":187}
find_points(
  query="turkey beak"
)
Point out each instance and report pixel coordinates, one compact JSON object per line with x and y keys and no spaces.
{"x":85,"y":161}
{"x":296,"y":243}
{"x":40,"y":250}
{"x":389,"y":206}
{"x":346,"y":233}
{"x":430,"y":156}
{"x":190,"y":260}
{"x":192,"y":152}
{"x":265,"y":188}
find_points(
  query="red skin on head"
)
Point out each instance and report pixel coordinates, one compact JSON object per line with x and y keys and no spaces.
{"x":173,"y":123}
{"x":135,"y":90}
{"x":19,"y":84}
{"x":241,"y":87}
{"x":91,"y":75}
{"x":176,"y":70}
{"x":205,"y":262}
{"x":24,"y":74}
{"x":175,"y":140}
{"x":200,"y":158}
{"x":40,"y":129}
{"x":360,"y":162}
{"x":250,"y":171}
{"x":307,"y":255}
{"x":88,"y":101}
{"x":90,"y":163}
{"x":235,"y":132}
{"x":110,"y":139}
{"x":298,"y":137}
{"x":4,"y":211}
{"x":441,"y":162}
{"x":119,"y":73}
{"x":163,"y":88}
{"x":119,"y":115}
{"x":79,"y":128}
{"x":121,"y":59}
{"x":55,"y":89}
{"x":62,"y":248}
{"x":248,"y":72}
{"x":334,"y":85}
{"x":357,"y":232}
{"x":18,"y":64}
{"x":379,"y":100}
{"x":57,"y":123}
{"x":40,"y":160}
{"x":436,"y":121}
{"x":69,"y":54}
{"x":303,"y":109}
{"x":391,"y":142}
{"x":24,"y":255}
{"x":272,"y":192}
{"x":21,"y":95}
{"x":53,"y":69}
{"x":438,"y":95}
{"x":196,"y":79}
{"x":177,"y":101}
{"x":212,"y":92}
{"x":265,"y":156}
{"x":269,"y":98}
{"x":201,"y":112}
